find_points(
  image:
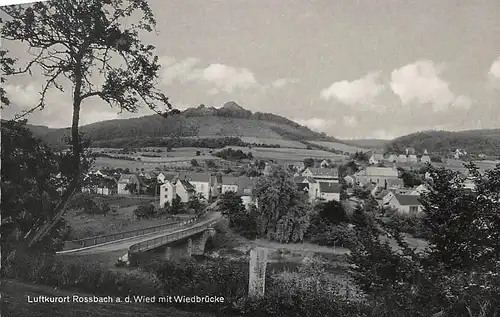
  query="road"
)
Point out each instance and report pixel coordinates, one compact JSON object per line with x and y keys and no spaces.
{"x":124,"y":245}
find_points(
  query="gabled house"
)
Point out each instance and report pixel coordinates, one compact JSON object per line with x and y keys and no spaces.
{"x":202,"y":182}
{"x":330,"y":175}
{"x":124,"y":181}
{"x":376,"y":158}
{"x":406,"y":204}
{"x":393,"y":183}
{"x":181,"y":188}
{"x":412,"y":158}
{"x":329,"y":191}
{"x":402,"y":158}
{"x":228,"y":184}
{"x":425,"y":159}
{"x":324,"y":164}
{"x":391,"y":158}
{"x":350,"y":180}
{"x":376,"y":175}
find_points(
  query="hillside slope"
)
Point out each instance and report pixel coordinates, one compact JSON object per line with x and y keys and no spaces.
{"x":231,"y":120}
{"x":474,"y":141}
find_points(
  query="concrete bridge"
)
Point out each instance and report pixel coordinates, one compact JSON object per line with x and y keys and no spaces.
{"x":131,"y":246}
{"x":177,"y":245}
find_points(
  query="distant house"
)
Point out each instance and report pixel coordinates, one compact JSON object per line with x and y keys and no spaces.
{"x":376,"y":175}
{"x":391,"y":158}
{"x":313,"y":188}
{"x":350,"y":180}
{"x":376,"y":158}
{"x":246,"y":186}
{"x":228,"y":184}
{"x":329,"y":191}
{"x":412,"y":158}
{"x":202,"y":182}
{"x":421,"y":189}
{"x":324,"y":164}
{"x":425,"y":159}
{"x":267,"y":169}
{"x":170,"y":190}
{"x":330,"y":175}
{"x":406,"y":204}
{"x":402,"y":158}
{"x":393,"y":183}
{"x":127,"y":179}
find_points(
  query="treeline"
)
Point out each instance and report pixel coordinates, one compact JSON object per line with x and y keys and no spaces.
{"x":444,"y":142}
{"x":233,"y":155}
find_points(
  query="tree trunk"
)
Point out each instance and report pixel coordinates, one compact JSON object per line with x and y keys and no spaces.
{"x":76,"y":151}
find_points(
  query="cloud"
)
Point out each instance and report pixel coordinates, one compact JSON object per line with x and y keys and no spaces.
{"x":58,"y":110}
{"x":282,"y":82}
{"x":350,"y":121}
{"x":494,"y":71}
{"x":420,"y":83}
{"x":315,"y":124}
{"x":362,"y":91}
{"x":181,"y":71}
{"x":223,"y":77}
{"x":228,"y":78}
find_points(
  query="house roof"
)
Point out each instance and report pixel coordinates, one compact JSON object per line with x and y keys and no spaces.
{"x":187,"y":185}
{"x":331,"y":172}
{"x":395,"y":182}
{"x":198,"y":177}
{"x":298,"y":179}
{"x":127,"y":178}
{"x":309,"y":179}
{"x":229,"y":180}
{"x":408,"y":200}
{"x":381,"y":194}
{"x":378,"y":156}
{"x":333,"y":188}
{"x":380,"y":171}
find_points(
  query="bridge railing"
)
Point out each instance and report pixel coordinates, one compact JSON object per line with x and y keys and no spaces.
{"x":126,"y":234}
{"x":175,"y":236}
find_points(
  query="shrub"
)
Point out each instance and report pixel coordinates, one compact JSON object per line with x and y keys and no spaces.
{"x":145,"y":212}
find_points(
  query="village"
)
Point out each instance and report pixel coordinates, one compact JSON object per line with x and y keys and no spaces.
{"x":379,"y":175}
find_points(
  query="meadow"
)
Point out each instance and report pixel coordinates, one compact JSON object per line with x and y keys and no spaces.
{"x":338,"y":146}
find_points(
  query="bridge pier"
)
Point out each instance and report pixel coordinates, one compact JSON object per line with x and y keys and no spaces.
{"x":168,"y":253}
{"x":198,"y":247}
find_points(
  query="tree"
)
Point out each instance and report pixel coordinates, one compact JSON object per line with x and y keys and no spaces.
{"x":194,"y":163}
{"x":195,"y":205}
{"x":32,"y":177}
{"x":283,"y":212}
{"x":145,"y":212}
{"x":6,"y":64}
{"x":241,"y":220}
{"x":79,"y":41}
{"x":177,"y":207}
{"x":132,"y":188}
{"x":308,"y":162}
{"x":458,"y":274}
{"x":198,"y":153}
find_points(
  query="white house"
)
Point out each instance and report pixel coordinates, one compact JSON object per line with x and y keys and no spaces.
{"x":127,"y":179}
{"x":375,"y":158}
{"x":412,"y":158}
{"x":324,"y":164}
{"x":392,"y":158}
{"x":181,"y":188}
{"x":425,"y":159}
{"x":229,"y":184}
{"x":202,"y":183}
{"x":402,"y":158}
{"x":376,"y":175}
{"x":330,"y":175}
{"x":406,"y":204}
{"x":329,"y":191}
{"x":350,"y":180}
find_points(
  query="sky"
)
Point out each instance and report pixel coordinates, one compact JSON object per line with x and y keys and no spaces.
{"x":351,"y":69}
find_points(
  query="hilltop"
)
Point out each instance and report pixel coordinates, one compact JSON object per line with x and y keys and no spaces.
{"x":443,"y":142}
{"x":231,"y":120}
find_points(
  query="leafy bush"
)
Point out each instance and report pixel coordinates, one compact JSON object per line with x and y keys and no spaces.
{"x":145,"y":212}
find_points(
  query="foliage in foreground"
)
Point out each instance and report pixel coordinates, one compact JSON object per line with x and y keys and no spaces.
{"x":459,"y":274}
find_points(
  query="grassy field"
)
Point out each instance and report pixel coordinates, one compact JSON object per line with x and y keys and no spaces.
{"x":339,"y":146}
{"x":84,"y":225}
{"x":14,"y":303}
{"x":282,"y":143}
{"x":288,"y":154}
